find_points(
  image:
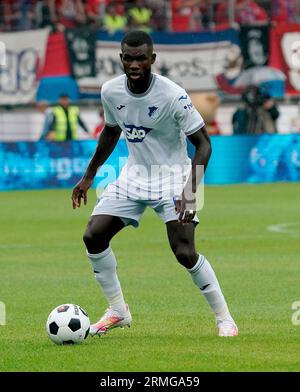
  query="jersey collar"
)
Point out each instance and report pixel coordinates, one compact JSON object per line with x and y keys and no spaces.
{"x":143,"y":94}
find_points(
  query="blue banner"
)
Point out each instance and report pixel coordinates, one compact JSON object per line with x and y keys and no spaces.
{"x":253,"y":159}
{"x":235,"y":159}
{"x":275,"y":158}
{"x":29,"y":165}
{"x":167,"y":38}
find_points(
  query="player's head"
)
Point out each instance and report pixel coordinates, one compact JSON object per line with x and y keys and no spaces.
{"x":137,"y":55}
{"x":64,"y":99}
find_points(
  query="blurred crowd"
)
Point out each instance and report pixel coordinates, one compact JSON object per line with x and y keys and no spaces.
{"x":150,"y":15}
{"x":110,"y":15}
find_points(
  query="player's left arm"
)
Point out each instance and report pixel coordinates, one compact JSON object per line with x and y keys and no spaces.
{"x":186,"y":207}
{"x":201,"y":141}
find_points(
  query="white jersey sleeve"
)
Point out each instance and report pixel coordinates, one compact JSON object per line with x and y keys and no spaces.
{"x":189,"y":120}
{"x":109,"y":117}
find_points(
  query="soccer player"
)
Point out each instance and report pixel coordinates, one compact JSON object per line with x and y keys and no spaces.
{"x":155,"y":116}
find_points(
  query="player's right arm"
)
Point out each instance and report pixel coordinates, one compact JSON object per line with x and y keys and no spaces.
{"x":106,"y":144}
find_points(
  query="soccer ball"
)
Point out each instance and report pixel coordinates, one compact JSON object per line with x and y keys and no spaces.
{"x":68,"y":324}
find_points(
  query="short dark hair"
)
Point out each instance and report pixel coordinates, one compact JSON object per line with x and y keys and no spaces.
{"x":137,"y":38}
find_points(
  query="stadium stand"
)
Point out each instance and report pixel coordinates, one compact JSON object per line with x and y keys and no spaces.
{"x":174,"y":15}
{"x":171,"y":22}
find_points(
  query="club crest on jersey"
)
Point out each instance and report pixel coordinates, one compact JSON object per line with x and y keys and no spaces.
{"x":153,"y":112}
{"x":136,"y":134}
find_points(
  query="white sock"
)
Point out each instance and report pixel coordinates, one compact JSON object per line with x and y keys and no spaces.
{"x":104,"y":265}
{"x":204,"y":277}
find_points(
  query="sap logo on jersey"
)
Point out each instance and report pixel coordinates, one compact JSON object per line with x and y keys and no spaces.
{"x":136,"y":134}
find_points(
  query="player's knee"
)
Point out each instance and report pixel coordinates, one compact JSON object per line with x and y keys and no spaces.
{"x":93,"y":241}
{"x":186,"y":256}
{"x":88,"y":238}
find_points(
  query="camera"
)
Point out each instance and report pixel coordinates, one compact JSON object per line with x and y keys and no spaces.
{"x":254,"y":96}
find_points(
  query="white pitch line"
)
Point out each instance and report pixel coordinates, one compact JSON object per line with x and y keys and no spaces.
{"x":284,"y":228}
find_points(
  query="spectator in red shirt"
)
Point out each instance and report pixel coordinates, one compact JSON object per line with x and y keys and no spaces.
{"x":248,"y":12}
{"x":245,"y":12}
{"x":284,"y":11}
{"x":95,"y":10}
{"x":70,"y":13}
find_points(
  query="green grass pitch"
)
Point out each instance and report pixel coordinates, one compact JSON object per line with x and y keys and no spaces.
{"x":43,"y":264}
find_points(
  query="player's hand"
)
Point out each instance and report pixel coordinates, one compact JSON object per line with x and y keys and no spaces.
{"x":80,"y":192}
{"x":185,"y":208}
{"x":51,"y":136}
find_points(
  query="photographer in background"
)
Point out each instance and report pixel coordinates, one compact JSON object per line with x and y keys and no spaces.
{"x":258,"y":114}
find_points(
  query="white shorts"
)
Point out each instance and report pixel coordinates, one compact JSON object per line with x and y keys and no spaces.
{"x":130,"y":210}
